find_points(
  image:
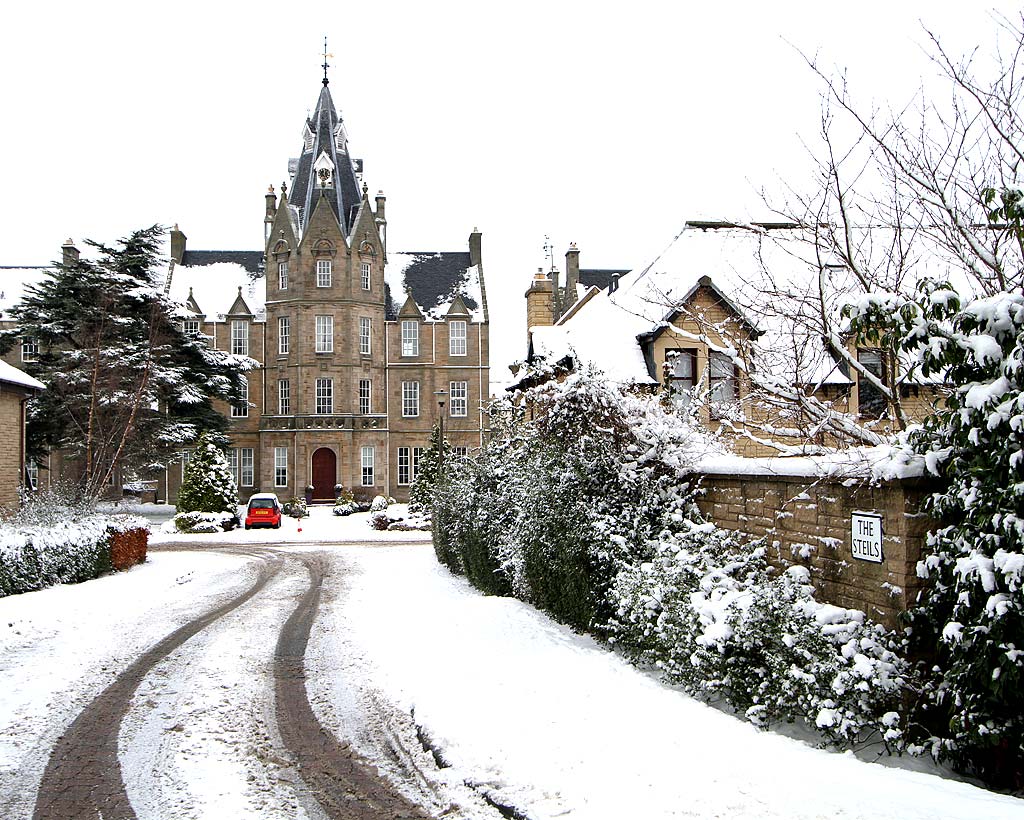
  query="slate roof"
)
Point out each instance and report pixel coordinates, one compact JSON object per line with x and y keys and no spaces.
{"x":344,"y":194}
{"x":600,"y":277}
{"x":252,"y":261}
{"x":434,"y":279}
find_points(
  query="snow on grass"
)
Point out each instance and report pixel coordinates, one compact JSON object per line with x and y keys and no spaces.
{"x":555,"y":724}
{"x":59,"y":647}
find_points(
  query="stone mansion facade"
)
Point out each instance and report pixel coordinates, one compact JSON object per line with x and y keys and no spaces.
{"x":360,"y":349}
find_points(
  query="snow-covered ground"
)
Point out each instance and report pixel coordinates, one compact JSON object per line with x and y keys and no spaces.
{"x":559,"y":727}
{"x":541,"y":718}
{"x":60,"y":647}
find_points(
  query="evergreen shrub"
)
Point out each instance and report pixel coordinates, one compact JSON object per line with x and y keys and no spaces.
{"x":57,"y":538}
{"x":580,"y":504}
{"x":208,"y":485}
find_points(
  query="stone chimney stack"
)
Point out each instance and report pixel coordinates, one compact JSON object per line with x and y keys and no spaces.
{"x":382,"y":219}
{"x":69,"y":253}
{"x":177,"y":245}
{"x":539,"y":302}
{"x":475,"y":247}
{"x":572,"y":275}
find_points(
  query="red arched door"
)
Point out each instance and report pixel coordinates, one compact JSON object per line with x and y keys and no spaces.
{"x":325,"y":468}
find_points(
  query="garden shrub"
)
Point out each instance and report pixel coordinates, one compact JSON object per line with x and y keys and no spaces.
{"x":208,"y":485}
{"x":205,"y":523}
{"x":128,"y":547}
{"x":57,"y":538}
{"x":583,"y":508}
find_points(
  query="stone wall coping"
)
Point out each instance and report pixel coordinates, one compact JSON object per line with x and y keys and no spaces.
{"x":855,"y":465}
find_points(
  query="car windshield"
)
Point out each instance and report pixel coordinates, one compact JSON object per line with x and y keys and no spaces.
{"x":261,"y":504}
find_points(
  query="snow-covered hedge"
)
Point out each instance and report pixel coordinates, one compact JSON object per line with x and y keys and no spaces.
{"x":580,"y":505}
{"x":715,"y":618}
{"x":52,"y":541}
{"x":205,"y":523}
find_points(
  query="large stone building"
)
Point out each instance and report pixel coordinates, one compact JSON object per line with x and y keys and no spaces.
{"x":360,"y":348}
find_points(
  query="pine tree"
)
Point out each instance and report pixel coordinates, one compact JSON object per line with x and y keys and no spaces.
{"x":126,"y":387}
{"x":208,"y":485}
{"x":430,"y":470}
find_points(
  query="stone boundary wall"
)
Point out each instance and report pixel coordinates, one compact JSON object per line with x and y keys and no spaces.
{"x":808,"y":522}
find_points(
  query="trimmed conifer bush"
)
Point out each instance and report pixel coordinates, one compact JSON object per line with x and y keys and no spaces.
{"x":208,"y":486}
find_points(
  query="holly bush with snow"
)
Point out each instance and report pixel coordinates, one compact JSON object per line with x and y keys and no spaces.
{"x":208,"y":497}
{"x":970,"y":620}
{"x":580,"y":504}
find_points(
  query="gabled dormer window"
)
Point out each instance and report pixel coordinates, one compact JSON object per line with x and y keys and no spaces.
{"x":282,"y":275}
{"x":457,"y":337}
{"x":410,"y":337}
{"x":364,"y":275}
{"x":240,"y":337}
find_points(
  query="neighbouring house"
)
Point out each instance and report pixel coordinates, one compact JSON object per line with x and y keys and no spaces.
{"x":16,"y":388}
{"x":727,"y":323}
{"x":360,"y":348}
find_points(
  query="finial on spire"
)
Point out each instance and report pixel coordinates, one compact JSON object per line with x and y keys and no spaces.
{"x":326,"y":64}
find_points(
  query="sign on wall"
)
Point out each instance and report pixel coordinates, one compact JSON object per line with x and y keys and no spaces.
{"x":867,"y":536}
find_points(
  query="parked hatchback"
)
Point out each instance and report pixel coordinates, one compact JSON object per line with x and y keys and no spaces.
{"x":264,"y":510}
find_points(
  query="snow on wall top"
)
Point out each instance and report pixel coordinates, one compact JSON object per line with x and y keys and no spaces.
{"x":434,"y":279}
{"x":215,"y":288}
{"x":11,"y":375}
{"x":880,"y":463}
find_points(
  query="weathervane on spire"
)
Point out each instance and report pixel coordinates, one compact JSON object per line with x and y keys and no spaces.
{"x":326,"y":64}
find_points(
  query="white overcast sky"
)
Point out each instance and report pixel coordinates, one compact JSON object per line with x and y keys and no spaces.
{"x":607,"y":124}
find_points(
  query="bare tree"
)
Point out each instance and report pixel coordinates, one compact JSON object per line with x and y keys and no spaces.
{"x":900,"y":196}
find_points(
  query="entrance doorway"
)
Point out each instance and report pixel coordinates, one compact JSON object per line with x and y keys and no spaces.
{"x":325,"y":470}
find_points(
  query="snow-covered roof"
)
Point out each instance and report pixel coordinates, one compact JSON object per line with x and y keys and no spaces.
{"x":434,"y":279}
{"x":215,"y":288}
{"x":765,"y":273}
{"x":13,"y":282}
{"x":11,"y":375}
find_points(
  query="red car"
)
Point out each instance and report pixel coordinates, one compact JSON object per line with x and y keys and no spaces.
{"x":264,"y":510}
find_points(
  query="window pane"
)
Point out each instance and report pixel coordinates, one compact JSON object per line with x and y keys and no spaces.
{"x":366,"y":460}
{"x":410,"y":399}
{"x":364,"y":336}
{"x":457,"y":392}
{"x":457,"y":338}
{"x":364,"y":396}
{"x":404,"y":465}
{"x":410,"y":337}
{"x":364,"y":275}
{"x":284,"y":397}
{"x":241,"y":411}
{"x":282,"y":275}
{"x":245,"y":457}
{"x":323,"y":273}
{"x":280,"y":466}
{"x":240,"y":337}
{"x":284,"y":330}
{"x":324,"y":334}
{"x":324,"y":396}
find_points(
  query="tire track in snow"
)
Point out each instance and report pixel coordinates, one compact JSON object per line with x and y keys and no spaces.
{"x":344,"y":785}
{"x":82,"y":780}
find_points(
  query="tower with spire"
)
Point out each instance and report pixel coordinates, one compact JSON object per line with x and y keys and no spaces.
{"x":361,"y":349}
